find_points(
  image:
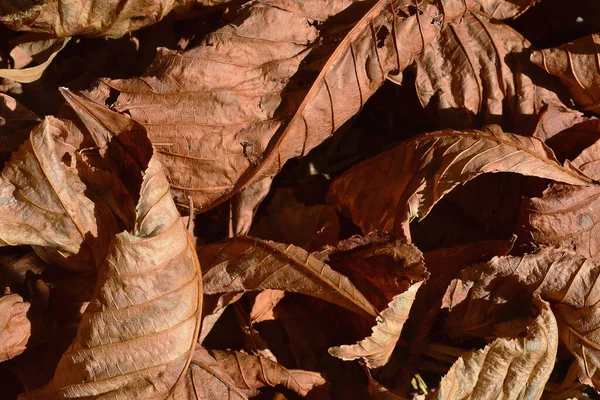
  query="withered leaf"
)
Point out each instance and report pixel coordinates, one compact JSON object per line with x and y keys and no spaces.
{"x":15,"y":327}
{"x":503,"y":9}
{"x":506,"y":368}
{"x":246,"y":264}
{"x":566,"y":216}
{"x":377,"y":349}
{"x":576,"y":64}
{"x":138,"y":334}
{"x":475,"y":74}
{"x":44,"y":204}
{"x":224,"y":120}
{"x":419,"y":172}
{"x":27,"y":75}
{"x":112,"y":18}
{"x":16,"y":122}
{"x":251,"y":373}
{"x":264,"y":303}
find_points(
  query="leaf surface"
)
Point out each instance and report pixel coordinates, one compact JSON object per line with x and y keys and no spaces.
{"x":15,"y":328}
{"x":31,"y":74}
{"x":506,"y":368}
{"x":246,"y":264}
{"x":377,"y":349}
{"x":419,"y":172}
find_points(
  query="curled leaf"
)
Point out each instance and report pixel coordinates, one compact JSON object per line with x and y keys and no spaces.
{"x":377,"y":349}
{"x":419,"y":172}
{"x":246,"y":264}
{"x":31,"y":74}
{"x":506,"y":368}
{"x":15,"y":327}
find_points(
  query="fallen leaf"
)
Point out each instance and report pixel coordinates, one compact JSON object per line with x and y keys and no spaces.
{"x":566,"y":216}
{"x":112,"y":19}
{"x":27,"y":75}
{"x":576,"y":64}
{"x":506,"y":368}
{"x":475,"y":73}
{"x":252,"y":373}
{"x":16,"y":122}
{"x":503,"y":9}
{"x":264,"y":303}
{"x":131,"y":340}
{"x":246,"y":264}
{"x":253,"y":119}
{"x":15,"y":327}
{"x":419,"y":172}
{"x":377,"y":349}
{"x":44,"y":204}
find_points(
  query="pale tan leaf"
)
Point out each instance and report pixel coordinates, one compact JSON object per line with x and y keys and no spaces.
{"x":246,"y":264}
{"x":111,"y":18}
{"x":27,"y":75}
{"x":419,"y":172}
{"x":264,"y":303}
{"x":576,"y":64}
{"x":476,"y":73}
{"x":137,"y":336}
{"x":225,"y":115}
{"x":252,"y":373}
{"x":377,"y":349}
{"x":44,"y":204}
{"x":506,"y":368}
{"x":15,"y":327}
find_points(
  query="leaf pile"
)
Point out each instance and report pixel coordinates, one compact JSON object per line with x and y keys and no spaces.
{"x":285,"y":199}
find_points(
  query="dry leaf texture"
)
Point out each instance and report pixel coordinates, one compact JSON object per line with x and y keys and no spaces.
{"x":15,"y":328}
{"x":475,"y":74}
{"x":420,"y":171}
{"x":503,"y":9}
{"x":222,"y":114}
{"x":377,"y":349}
{"x":138,"y":334}
{"x":576,"y":64}
{"x":44,"y":204}
{"x":506,"y":368}
{"x":246,"y":264}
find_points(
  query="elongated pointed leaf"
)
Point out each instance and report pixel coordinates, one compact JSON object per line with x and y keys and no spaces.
{"x":407,"y":181}
{"x":246,"y":264}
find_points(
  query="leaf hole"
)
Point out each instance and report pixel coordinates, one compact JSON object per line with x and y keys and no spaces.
{"x":382,"y":35}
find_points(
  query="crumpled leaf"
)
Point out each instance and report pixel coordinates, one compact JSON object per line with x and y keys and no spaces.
{"x":138,"y":334}
{"x":111,"y":18}
{"x":246,"y":264}
{"x":567,"y":216}
{"x":576,"y":64}
{"x":420,"y":171}
{"x":221,"y":108}
{"x":206,"y":379}
{"x":31,"y":74}
{"x":15,"y":327}
{"x":377,"y":349}
{"x":251,"y":373}
{"x":474,"y":74}
{"x":506,"y":368}
{"x":503,"y":9}
{"x":45,"y":204}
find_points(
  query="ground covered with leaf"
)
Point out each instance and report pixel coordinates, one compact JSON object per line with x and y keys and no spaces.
{"x":284,"y":199}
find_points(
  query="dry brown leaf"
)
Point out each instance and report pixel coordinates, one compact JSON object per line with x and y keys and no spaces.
{"x":287,"y":220}
{"x":252,"y":373}
{"x":474,"y":74}
{"x":246,"y":264}
{"x":16,"y":122}
{"x":264,"y":303}
{"x":377,"y":349}
{"x":44,"y":204}
{"x":576,"y":64}
{"x":567,"y":216}
{"x":15,"y":327}
{"x":219,"y":114}
{"x":206,"y":380}
{"x":27,"y":75}
{"x":503,"y":9}
{"x":506,"y":368}
{"x":137,"y":336}
{"x":419,"y":172}
{"x":112,"y":18}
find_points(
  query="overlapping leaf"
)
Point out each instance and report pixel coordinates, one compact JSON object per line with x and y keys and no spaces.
{"x":506,"y":368}
{"x":420,"y":171}
{"x":15,"y":327}
{"x":503,"y":9}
